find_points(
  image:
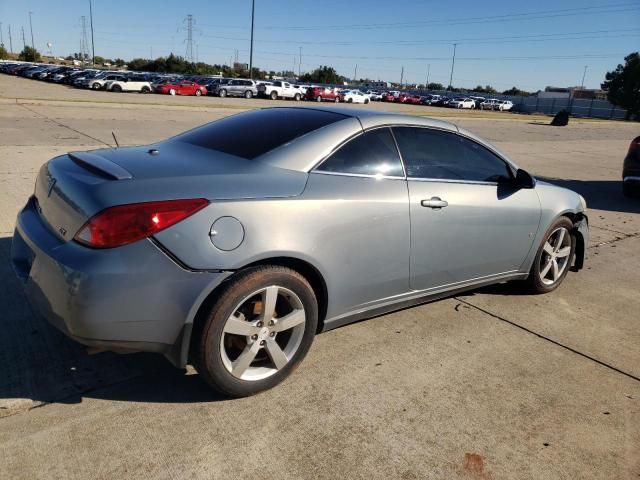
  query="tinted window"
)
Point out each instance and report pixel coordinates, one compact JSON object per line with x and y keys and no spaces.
{"x":372,"y":153}
{"x":251,"y":134}
{"x":442,"y":155}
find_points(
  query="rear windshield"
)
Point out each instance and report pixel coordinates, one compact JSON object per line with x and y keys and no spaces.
{"x":249,"y":135}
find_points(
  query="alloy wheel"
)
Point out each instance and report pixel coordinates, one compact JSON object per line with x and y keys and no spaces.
{"x":263,"y":333}
{"x":555,"y":256}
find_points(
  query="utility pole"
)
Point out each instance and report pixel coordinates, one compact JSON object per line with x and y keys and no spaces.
{"x":93,"y":47}
{"x":253,"y":11}
{"x":426,"y":85}
{"x":151,"y":53}
{"x":24,"y":42}
{"x":453,"y":62}
{"x":1,"y":36}
{"x":197,"y":54}
{"x":583,"y":75}
{"x":401,"y":76}
{"x":10,"y":41}
{"x":355,"y":73}
{"x":300,"y":62}
{"x":33,"y":45}
{"x":189,"y":40}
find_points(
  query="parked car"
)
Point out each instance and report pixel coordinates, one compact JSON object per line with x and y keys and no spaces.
{"x":236,"y":277}
{"x":184,"y":87}
{"x":213,"y":83}
{"x":129,"y":84}
{"x":237,"y":87}
{"x":462,"y":103}
{"x":413,"y":99}
{"x":98,"y":83}
{"x":279,"y":89}
{"x":504,"y":105}
{"x":323,"y":94}
{"x":354,"y":96}
{"x":631,"y":170}
{"x":489,"y":104}
{"x":431,"y":99}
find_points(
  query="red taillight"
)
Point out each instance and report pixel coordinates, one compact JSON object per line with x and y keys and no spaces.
{"x":124,"y":224}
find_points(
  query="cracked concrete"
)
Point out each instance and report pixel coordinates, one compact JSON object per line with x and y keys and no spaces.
{"x":489,"y":384}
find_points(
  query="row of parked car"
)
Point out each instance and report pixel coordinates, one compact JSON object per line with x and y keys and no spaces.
{"x":171,"y":84}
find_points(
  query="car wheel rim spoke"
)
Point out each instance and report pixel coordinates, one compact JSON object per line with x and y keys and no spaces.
{"x":263,"y":333}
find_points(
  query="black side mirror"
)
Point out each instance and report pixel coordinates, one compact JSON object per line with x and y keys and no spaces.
{"x":524,"y":179}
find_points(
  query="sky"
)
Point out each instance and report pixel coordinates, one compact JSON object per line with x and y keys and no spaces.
{"x":529,"y":45}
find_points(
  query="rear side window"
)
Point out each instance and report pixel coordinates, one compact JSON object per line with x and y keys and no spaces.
{"x":435,"y":154}
{"x":372,"y":153}
{"x":249,"y":135}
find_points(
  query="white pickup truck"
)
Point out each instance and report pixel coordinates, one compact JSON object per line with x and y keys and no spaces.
{"x":279,"y":89}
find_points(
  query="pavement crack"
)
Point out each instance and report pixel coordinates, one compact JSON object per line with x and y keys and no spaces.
{"x":550,"y":340}
{"x":65,"y":126}
{"x":625,"y":236}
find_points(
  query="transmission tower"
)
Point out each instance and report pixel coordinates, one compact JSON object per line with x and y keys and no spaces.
{"x":189,"y":40}
{"x":84,"y":44}
{"x":24,"y":42}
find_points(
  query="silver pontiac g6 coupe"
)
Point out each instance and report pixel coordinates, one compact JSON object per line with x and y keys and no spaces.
{"x":231,"y":245}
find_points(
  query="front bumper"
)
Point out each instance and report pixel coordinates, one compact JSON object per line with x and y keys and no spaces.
{"x":132,"y":298}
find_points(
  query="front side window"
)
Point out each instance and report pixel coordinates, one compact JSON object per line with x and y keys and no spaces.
{"x":371,"y":153}
{"x":435,"y":154}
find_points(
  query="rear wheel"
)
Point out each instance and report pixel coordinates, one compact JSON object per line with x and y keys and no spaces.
{"x":274,"y":95}
{"x":145,"y":89}
{"x":258,"y":331}
{"x":198,"y":92}
{"x":297,"y":97}
{"x":337,"y":100}
{"x":248,"y":94}
{"x":318,"y":98}
{"x":554,"y":257}
{"x":116,"y":88}
{"x":222,"y":93}
{"x":96,"y":86}
{"x":172,"y":91}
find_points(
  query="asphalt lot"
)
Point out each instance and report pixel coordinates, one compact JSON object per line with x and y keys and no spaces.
{"x":489,"y":385}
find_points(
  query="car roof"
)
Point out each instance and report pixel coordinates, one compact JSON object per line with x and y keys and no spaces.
{"x":305,"y":152}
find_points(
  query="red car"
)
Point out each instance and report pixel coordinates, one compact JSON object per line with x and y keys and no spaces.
{"x":182,"y":88}
{"x":413,"y":99}
{"x":402,"y":98}
{"x":321,"y":94}
{"x":389,"y":97}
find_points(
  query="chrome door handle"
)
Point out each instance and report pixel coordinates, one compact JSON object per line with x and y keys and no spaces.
{"x":434,"y":202}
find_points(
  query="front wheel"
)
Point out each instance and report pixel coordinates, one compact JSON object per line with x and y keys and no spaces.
{"x":172,"y":91}
{"x":198,"y":93}
{"x":337,"y":100}
{"x":318,"y":98}
{"x":223,"y":93}
{"x":554,"y":257}
{"x":248,"y":94}
{"x":297,"y":97}
{"x":145,"y":90}
{"x":258,"y":331}
{"x":274,"y":95}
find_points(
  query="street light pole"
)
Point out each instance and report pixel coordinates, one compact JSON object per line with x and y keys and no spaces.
{"x":583,"y":75}
{"x":31,"y":27}
{"x":426,"y":86}
{"x":93,"y":47}
{"x":453,"y":62}
{"x":253,"y":11}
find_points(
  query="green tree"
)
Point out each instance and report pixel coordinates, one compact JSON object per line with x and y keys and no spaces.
{"x":435,"y":86}
{"x":119,"y":62}
{"x":516,"y":92}
{"x":29,"y":55}
{"x":323,"y":74}
{"x":98,"y":60}
{"x":3,"y":52}
{"x":623,"y":85}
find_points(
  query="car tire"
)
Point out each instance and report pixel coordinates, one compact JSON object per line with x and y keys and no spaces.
{"x":539,"y":281}
{"x":337,"y":100}
{"x":145,"y":89}
{"x":297,"y":97}
{"x":236,"y":326}
{"x":172,"y":91}
{"x":366,"y":101}
{"x":248,"y":94}
{"x":116,"y":88}
{"x":222,"y":93}
{"x":318,"y":98}
{"x":198,"y":92}
{"x":273,"y":95}
{"x":96,"y":86}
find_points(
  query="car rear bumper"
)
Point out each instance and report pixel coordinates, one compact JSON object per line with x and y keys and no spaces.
{"x":132,"y":298}
{"x":634,"y":179}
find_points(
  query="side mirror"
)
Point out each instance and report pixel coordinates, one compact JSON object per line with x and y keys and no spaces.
{"x":524,"y":179}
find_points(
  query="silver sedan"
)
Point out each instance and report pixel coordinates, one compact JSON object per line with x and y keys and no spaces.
{"x":230,"y":246}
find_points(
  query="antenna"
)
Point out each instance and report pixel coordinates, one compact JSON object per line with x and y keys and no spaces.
{"x":115,"y":139}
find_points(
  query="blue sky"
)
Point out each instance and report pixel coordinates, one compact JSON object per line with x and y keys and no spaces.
{"x":501,"y":43}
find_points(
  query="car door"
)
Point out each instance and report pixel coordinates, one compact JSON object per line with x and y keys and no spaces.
{"x":359,"y":196}
{"x":469,"y":220}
